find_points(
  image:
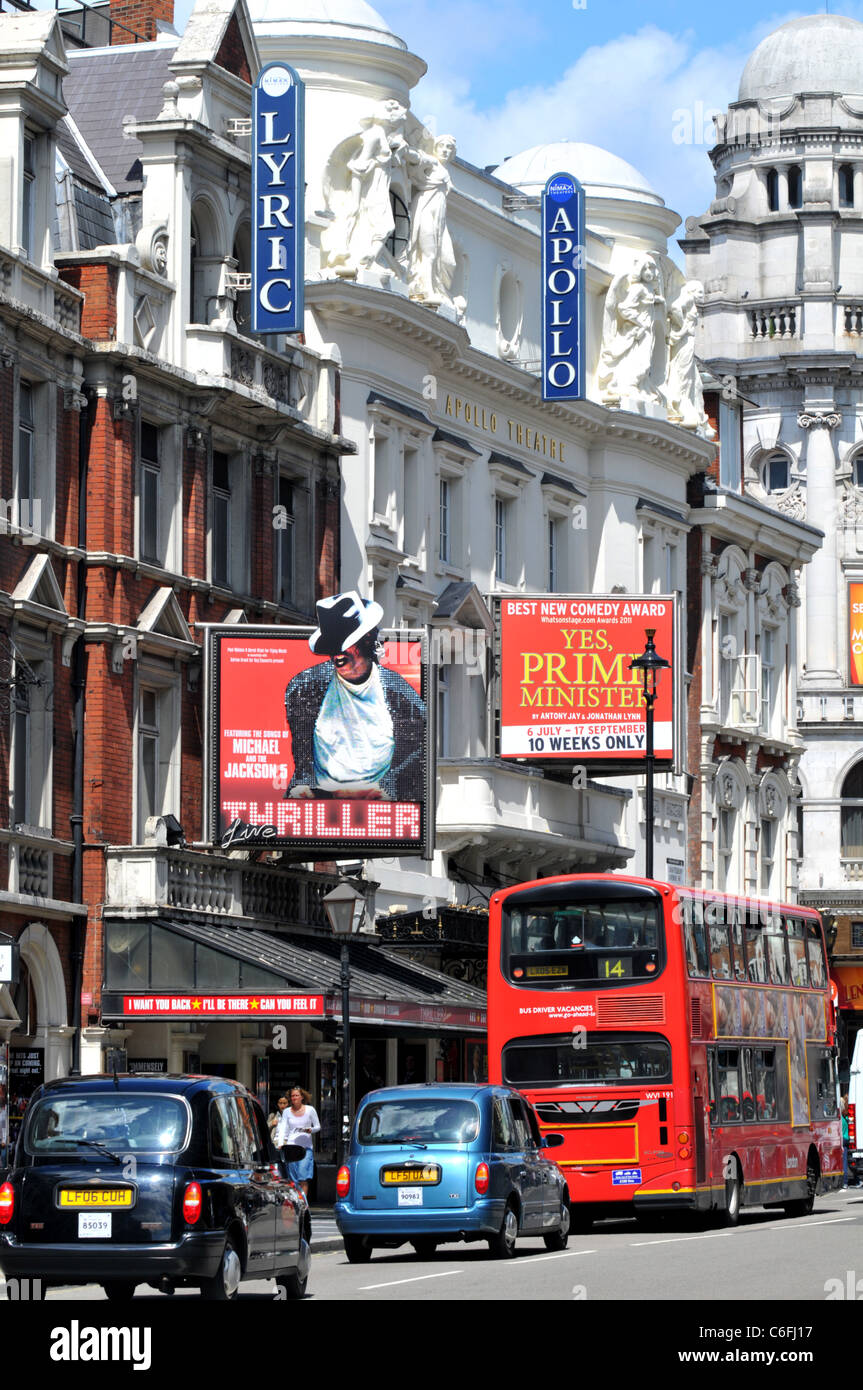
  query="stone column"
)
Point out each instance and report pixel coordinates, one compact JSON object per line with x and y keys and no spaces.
{"x":858,"y":186}
{"x":822,"y":574}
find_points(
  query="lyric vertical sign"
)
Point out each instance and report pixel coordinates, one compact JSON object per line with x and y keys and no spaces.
{"x":563,"y":297}
{"x":278,"y":243}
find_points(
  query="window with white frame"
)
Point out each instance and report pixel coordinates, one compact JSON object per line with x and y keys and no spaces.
{"x":286,"y":571}
{"x":150,"y":476}
{"x":768,"y":644}
{"x":670,"y":567}
{"x":726,"y":655}
{"x":445,"y":489}
{"x":28,"y":197}
{"x":412,"y":501}
{"x":729,"y":445}
{"x":443,"y":703}
{"x":776,"y":473}
{"x":555,"y":541}
{"x":767,"y":846}
{"x":384,"y":447}
{"x":32,"y":743}
{"x":501,"y":540}
{"x":158,"y":735}
{"x":26,"y":486}
{"x":229,"y":549}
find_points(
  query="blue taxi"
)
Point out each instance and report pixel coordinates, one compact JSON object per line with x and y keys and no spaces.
{"x":435,"y":1163}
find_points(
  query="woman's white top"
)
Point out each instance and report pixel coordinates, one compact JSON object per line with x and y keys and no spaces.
{"x":290,"y":1127}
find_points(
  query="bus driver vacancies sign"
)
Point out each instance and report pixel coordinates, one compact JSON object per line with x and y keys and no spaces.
{"x":319,"y":750}
{"x":566,"y":687}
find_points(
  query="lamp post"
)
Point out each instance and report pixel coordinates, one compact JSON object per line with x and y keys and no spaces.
{"x":650,"y":664}
{"x":345,"y":908}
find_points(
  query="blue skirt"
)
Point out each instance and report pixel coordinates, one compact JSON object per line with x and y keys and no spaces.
{"x":304,"y":1168}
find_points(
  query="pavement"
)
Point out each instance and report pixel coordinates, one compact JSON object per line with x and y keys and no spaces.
{"x":325,"y":1232}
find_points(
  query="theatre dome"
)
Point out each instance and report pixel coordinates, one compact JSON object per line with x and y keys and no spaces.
{"x":602,"y":174}
{"x":819,"y":53}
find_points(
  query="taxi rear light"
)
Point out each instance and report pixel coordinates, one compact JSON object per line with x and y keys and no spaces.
{"x":7,"y":1203}
{"x":482,"y":1178}
{"x":343,"y":1181}
{"x":192,"y":1202}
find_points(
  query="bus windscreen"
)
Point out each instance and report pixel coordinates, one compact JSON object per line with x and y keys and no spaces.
{"x":552,"y":944}
{"x":594,"y":1059}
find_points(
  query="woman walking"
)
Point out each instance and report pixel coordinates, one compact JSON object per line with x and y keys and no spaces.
{"x":296,"y":1126}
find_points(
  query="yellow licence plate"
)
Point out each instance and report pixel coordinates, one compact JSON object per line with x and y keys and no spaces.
{"x":87,"y":1197}
{"x":394,"y":1177}
{"x":546,"y":970}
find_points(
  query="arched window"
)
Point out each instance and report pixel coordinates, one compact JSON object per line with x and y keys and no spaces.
{"x":242,"y":254}
{"x":858,"y":471}
{"x":24,"y":1000}
{"x":195,"y":243}
{"x":400,"y":236}
{"x":795,"y":186}
{"x":772,"y":190}
{"x":776,"y":473}
{"x":852,"y":814}
{"x":846,"y":186}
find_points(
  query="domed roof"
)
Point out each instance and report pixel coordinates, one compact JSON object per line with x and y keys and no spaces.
{"x":821,"y":53}
{"x":602,"y":174}
{"x":342,"y":19}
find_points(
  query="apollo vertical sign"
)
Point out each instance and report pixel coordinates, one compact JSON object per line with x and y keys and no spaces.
{"x":563,"y":271}
{"x":277,"y":199}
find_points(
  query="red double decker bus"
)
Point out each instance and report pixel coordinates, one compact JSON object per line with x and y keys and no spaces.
{"x":682,"y":1041}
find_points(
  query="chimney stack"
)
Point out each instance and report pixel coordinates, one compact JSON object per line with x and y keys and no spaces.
{"x":140,"y":16}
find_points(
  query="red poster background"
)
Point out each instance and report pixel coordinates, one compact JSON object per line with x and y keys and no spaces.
{"x":253,"y":672}
{"x":571,"y":644}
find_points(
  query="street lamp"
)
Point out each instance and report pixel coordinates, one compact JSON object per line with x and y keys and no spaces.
{"x":651,"y":665}
{"x":345,"y":908}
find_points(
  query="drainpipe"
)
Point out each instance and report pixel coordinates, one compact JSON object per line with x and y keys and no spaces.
{"x":79,"y":925}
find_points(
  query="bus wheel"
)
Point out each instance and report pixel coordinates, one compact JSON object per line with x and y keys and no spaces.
{"x":803,"y":1206}
{"x":733,"y":1185}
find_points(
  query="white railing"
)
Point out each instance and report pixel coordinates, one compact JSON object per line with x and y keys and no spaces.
{"x":776,"y":321}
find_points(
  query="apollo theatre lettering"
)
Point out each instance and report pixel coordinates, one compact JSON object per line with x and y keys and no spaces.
{"x":563,"y":301}
{"x":277,"y":198}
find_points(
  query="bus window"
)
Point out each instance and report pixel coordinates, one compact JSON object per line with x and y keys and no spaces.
{"x":558,"y":940}
{"x":756,"y":958}
{"x":720,"y":951}
{"x":737,"y":942}
{"x":728,"y":1076}
{"x":711,"y":1088}
{"x":606,"y":1059}
{"x":747,"y":1081}
{"x":817,"y":968}
{"x":777,"y":961}
{"x":694,"y":938}
{"x":795,"y":930}
{"x":764,"y":1080}
{"x":822,"y":1083}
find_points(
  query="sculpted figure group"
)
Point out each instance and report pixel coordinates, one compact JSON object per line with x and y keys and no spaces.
{"x":648,"y":343}
{"x":365,"y":174}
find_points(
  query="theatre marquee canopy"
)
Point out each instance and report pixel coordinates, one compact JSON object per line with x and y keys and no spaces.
{"x":298,"y":978}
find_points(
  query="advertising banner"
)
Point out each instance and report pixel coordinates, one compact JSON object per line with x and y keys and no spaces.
{"x":222,"y":1005}
{"x":320,"y":750}
{"x":855,"y":634}
{"x":278,"y":237}
{"x":566,"y":690}
{"x":563,"y":284}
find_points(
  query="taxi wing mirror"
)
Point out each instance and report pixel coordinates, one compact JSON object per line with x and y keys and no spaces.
{"x":552,"y":1141}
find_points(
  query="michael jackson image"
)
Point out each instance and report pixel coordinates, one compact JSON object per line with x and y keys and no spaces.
{"x":357,"y":728}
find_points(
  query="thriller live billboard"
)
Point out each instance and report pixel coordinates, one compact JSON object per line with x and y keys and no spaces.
{"x":298,"y":758}
{"x":566,"y":690}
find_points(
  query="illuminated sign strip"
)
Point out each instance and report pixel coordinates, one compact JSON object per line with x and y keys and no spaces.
{"x":278,"y":240}
{"x":223,"y":1005}
{"x":563,"y":296}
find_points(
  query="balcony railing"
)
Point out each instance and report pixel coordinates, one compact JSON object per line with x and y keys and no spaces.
{"x":146,"y":878}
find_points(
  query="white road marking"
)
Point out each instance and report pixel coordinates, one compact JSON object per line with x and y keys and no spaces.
{"x":560,"y":1255}
{"x":806,"y":1225}
{"x":444,"y":1274}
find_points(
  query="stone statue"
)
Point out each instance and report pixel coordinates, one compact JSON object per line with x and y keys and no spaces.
{"x":431,"y":256}
{"x":633,"y":337}
{"x":683,"y":392}
{"x":357,"y":186}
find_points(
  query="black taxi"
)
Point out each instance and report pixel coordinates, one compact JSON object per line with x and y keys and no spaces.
{"x":161,"y":1180}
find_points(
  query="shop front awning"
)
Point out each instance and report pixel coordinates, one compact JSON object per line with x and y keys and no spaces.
{"x":164,"y":968}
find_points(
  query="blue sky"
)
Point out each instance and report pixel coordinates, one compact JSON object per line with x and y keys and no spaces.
{"x":508,"y":74}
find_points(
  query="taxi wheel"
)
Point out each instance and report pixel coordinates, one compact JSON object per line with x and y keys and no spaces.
{"x":119,"y":1290}
{"x":424,"y":1247}
{"x":559,"y":1239}
{"x":502,"y":1246}
{"x":223,"y":1286}
{"x":357,"y":1251}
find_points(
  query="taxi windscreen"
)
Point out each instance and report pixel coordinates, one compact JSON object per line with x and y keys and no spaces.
{"x":419,"y":1122}
{"x":115,"y":1121}
{"x":548,"y":945}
